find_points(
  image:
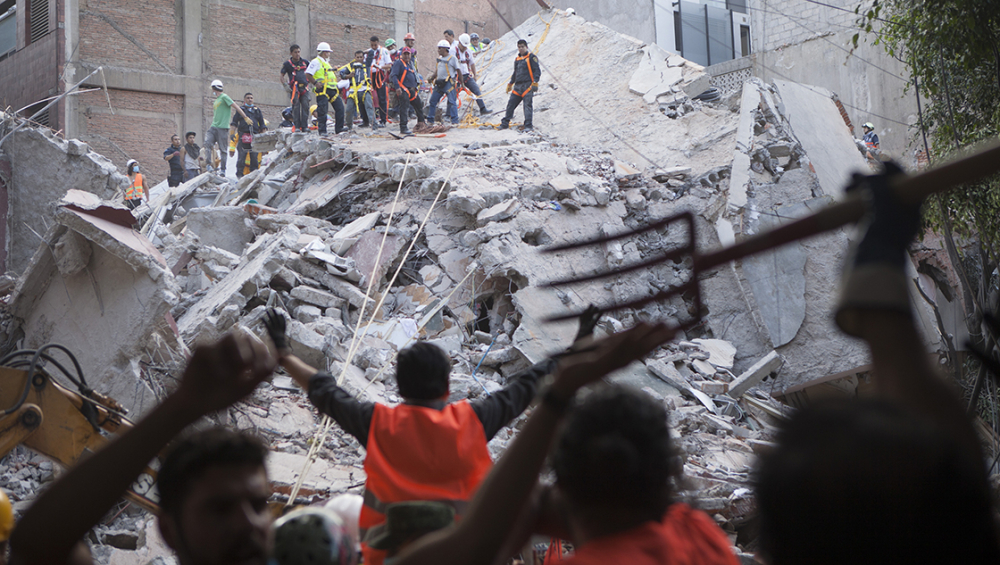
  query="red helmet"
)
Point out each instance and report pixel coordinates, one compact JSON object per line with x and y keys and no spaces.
{"x":409,"y":50}
{"x":409,"y":36}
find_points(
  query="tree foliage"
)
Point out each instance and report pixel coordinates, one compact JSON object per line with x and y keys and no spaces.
{"x":951,"y":48}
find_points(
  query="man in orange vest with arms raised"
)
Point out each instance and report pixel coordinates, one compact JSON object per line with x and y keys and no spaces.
{"x":424,"y":448}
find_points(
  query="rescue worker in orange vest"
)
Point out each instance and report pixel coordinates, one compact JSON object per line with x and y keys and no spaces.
{"x":403,"y":79}
{"x":522,"y":85}
{"x":423,"y":449}
{"x":137,"y":189}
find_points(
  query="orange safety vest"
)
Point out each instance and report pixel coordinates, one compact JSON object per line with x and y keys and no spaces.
{"x":531,"y":73}
{"x":684,"y":536}
{"x":420,"y":453}
{"x":135,"y":189}
{"x":402,"y":77}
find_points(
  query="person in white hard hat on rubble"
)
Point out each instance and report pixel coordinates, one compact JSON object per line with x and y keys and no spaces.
{"x":322,"y":75}
{"x":467,"y":70}
{"x":444,"y":79}
{"x":218,"y":133}
{"x":871,"y":141}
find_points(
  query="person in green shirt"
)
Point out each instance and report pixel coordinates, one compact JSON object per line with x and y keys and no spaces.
{"x":218,"y":133}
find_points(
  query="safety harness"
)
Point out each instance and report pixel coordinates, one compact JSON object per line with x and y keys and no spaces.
{"x":410,"y":95}
{"x":531,"y":73}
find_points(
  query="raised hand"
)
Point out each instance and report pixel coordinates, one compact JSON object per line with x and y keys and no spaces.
{"x":220,"y":374}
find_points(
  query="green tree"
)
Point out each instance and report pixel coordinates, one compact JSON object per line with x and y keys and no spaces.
{"x":950,"y":48}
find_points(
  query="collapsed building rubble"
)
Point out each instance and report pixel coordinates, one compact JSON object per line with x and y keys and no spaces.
{"x":449,"y":235}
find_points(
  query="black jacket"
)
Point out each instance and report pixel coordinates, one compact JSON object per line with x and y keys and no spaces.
{"x":522,"y":74}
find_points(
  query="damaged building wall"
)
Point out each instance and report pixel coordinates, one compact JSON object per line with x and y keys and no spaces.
{"x":811,"y":44}
{"x":43,"y":167}
{"x":634,"y":18}
{"x":159,"y":57}
{"x":432,"y":17}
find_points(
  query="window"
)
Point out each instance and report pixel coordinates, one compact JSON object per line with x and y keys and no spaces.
{"x":744,"y":41}
{"x":8,"y":27}
{"x":38,"y":19}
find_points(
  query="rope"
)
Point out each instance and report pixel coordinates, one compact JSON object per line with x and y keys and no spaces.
{"x":472,"y":121}
{"x":319,"y":438}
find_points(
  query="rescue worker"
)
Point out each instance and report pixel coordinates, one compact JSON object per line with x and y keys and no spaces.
{"x":286,"y":118}
{"x":449,"y":36}
{"x":871,"y":140}
{"x":293,"y":76}
{"x":244,"y":137}
{"x":218,"y":132}
{"x":137,"y":189}
{"x":390,"y":46}
{"x":411,"y":41}
{"x":403,"y":79}
{"x":424,"y":448}
{"x":467,"y":67}
{"x":475,"y":44}
{"x":175,"y":159}
{"x":379,"y":63}
{"x":359,"y":96}
{"x":320,"y":74}
{"x":444,"y":80}
{"x":522,"y":85}
{"x":194,"y":163}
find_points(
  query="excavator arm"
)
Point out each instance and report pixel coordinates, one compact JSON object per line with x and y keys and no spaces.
{"x":61,"y":424}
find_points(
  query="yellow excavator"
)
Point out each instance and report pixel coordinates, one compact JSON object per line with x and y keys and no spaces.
{"x":57,"y":422}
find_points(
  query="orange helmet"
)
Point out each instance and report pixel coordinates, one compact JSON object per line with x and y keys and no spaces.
{"x":409,"y":36}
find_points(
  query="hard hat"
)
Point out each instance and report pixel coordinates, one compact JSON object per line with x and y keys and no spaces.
{"x":287,"y":113}
{"x":409,"y":36}
{"x":868,"y":125}
{"x":464,"y":39}
{"x":6,"y":517}
{"x":323,"y":46}
{"x":313,"y":536}
{"x":390,"y":42}
{"x":444,"y":43}
{"x":474,"y":36}
{"x":217,"y":84}
{"x":312,"y":109}
{"x":409,"y":50}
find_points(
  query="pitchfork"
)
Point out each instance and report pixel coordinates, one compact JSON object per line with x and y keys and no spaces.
{"x":909,"y":189}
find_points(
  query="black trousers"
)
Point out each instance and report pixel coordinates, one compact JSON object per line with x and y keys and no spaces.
{"x":241,"y":162}
{"x":404,"y":109}
{"x":381,"y":102}
{"x":300,"y":108}
{"x":513,"y":102}
{"x":322,"y":103}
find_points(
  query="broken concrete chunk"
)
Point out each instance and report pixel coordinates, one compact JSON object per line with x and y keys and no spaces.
{"x":703,"y":367}
{"x":465,"y":201}
{"x":316,"y":297}
{"x":721,"y":353}
{"x":710,"y":387}
{"x":623,"y":169}
{"x":306,"y":344}
{"x":755,"y":374}
{"x":72,"y":252}
{"x":358,"y":227}
{"x":365,"y":254}
{"x":500,"y":212}
{"x":224,"y":227}
{"x":563,"y":185}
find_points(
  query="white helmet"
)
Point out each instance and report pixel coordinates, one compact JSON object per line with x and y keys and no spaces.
{"x":444,"y":43}
{"x":465,"y":40}
{"x":323,"y":46}
{"x":217,"y":84}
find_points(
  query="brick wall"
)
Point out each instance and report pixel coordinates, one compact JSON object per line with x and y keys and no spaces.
{"x":328,"y":20}
{"x":784,"y":22}
{"x":247,"y":43}
{"x":140,"y":128}
{"x":152,"y":23}
{"x":435,"y":16}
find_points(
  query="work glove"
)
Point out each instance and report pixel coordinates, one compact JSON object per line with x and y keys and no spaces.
{"x":248,"y":121}
{"x":509,"y":87}
{"x":274,"y":322}
{"x":875,"y":272}
{"x":588,"y":321}
{"x":534,"y":87}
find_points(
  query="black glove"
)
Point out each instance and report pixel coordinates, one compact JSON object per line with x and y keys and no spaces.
{"x":891,"y":224}
{"x":274,"y":321}
{"x":588,"y":321}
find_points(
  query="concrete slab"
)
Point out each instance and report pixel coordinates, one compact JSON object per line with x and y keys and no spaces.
{"x":365,"y":254}
{"x":819,"y":127}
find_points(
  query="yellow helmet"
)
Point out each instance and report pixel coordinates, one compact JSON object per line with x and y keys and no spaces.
{"x":312,"y":109}
{"x":6,"y":517}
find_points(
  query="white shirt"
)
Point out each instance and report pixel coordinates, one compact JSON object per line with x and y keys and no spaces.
{"x":382,"y":58}
{"x":464,"y":59}
{"x":313,"y":66}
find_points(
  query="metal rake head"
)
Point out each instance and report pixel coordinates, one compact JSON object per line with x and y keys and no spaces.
{"x":689,"y":289}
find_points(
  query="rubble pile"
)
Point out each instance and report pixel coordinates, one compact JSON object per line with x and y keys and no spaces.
{"x":443,"y":239}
